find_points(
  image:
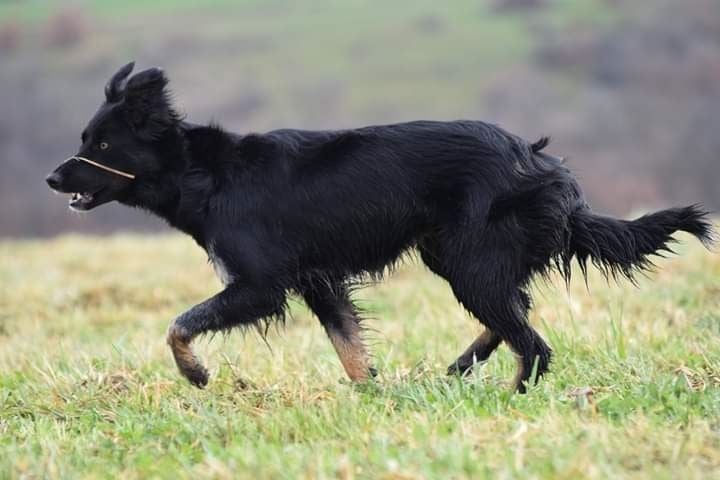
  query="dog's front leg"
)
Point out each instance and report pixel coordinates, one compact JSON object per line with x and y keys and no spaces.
{"x":339,"y":316}
{"x":237,"y":304}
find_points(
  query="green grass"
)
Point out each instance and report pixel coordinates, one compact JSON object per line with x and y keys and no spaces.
{"x":88,"y":387}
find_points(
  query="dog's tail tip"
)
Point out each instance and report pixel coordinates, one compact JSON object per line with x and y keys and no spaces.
{"x":695,"y":220}
{"x":621,"y":247}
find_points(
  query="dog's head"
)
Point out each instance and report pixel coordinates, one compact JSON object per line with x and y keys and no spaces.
{"x":122,"y":143}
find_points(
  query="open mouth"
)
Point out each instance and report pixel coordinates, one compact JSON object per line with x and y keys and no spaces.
{"x":83,"y":201}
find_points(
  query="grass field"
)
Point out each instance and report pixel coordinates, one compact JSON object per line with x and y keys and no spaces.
{"x":89,"y":389}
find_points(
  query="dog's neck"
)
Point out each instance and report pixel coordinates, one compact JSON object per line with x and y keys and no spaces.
{"x":173,"y":196}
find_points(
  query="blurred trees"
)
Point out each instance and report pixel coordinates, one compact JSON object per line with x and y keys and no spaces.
{"x":659,"y":70}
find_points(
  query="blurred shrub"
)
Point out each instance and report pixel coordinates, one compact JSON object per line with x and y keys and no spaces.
{"x":64,"y":29}
{"x":501,"y":5}
{"x":10,"y":33}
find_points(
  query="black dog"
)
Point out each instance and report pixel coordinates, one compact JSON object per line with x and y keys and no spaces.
{"x":310,"y":212}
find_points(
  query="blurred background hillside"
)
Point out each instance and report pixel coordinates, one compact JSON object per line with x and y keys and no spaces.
{"x":629,"y":90}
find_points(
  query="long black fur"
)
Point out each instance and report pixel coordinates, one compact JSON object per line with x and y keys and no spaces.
{"x":309,"y":212}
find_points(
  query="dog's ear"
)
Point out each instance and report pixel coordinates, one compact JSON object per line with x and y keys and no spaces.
{"x":147,"y":103}
{"x":114,"y":88}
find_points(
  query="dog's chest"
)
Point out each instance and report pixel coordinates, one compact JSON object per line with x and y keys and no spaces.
{"x":220,"y":267}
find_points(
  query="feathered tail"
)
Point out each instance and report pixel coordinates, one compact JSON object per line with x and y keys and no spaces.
{"x":622,"y":247}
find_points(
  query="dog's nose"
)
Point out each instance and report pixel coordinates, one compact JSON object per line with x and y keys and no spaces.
{"x":53,"y":180}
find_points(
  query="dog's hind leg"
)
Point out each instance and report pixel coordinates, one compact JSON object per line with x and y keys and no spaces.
{"x":486,"y":343}
{"x":486,"y":277}
{"x":504,"y":311}
{"x":483,"y":346}
{"x":237,"y":305}
{"x":339,"y":317}
{"x":478,"y":352}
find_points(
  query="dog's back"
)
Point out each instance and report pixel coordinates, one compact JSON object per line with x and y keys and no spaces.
{"x":354,"y":200}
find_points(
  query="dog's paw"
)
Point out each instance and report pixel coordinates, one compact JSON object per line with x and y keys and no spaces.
{"x":458,"y":369}
{"x":197,"y":375}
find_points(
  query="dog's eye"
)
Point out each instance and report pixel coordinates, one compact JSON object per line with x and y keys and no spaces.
{"x":104,"y":146}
